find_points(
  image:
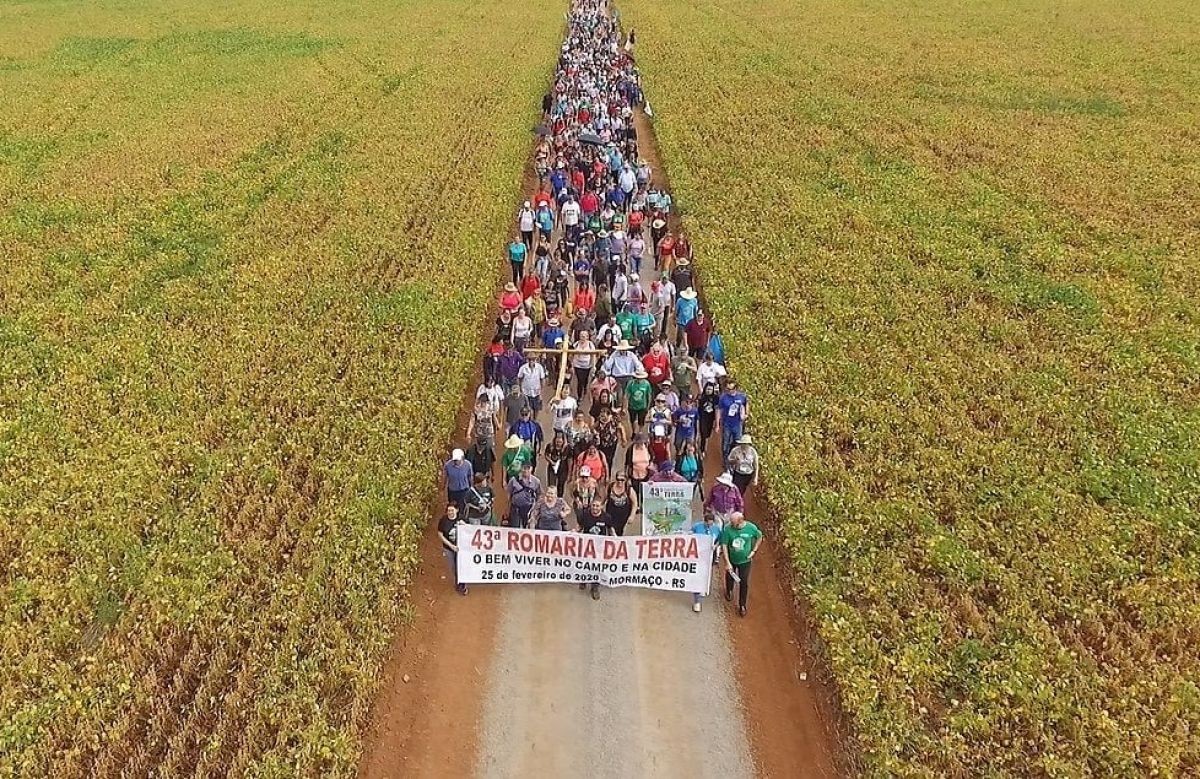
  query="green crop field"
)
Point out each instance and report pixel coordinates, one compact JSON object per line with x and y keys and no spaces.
{"x":961,"y":241}
{"x":224,"y":352}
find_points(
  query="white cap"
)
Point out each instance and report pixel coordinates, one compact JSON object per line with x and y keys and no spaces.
{"x":585,"y":471}
{"x":457,"y":454}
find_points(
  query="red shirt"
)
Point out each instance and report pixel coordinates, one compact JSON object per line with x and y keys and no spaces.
{"x":666,"y":247}
{"x":635,"y":219}
{"x":658,"y":369}
{"x":585,"y":297}
{"x":577,"y":180}
{"x":540,"y":198}
{"x":697,"y":334}
{"x":683,"y":248}
{"x":529,"y":285}
{"x":510,"y":301}
{"x":589,"y":203}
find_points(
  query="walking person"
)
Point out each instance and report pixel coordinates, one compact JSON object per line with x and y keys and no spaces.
{"x":637,"y":398}
{"x":740,"y":541}
{"x":558,"y":461}
{"x":707,"y":526}
{"x":480,"y":500}
{"x":550,"y":513}
{"x":459,"y":475}
{"x":620,"y":504}
{"x":725,"y":499}
{"x":448,"y":533}
{"x":743,"y":463}
{"x":734,"y":408}
{"x":525,"y":224}
{"x":595,"y":521}
{"x":517,"y":252}
{"x":532,"y":377}
{"x":523,"y":493}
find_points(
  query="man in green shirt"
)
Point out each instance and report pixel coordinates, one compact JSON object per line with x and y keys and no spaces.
{"x":638,"y":393}
{"x":516,"y":453}
{"x":741,"y":540}
{"x":627,"y":321}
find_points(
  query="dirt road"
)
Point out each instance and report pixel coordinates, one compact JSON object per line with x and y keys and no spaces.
{"x":540,"y":680}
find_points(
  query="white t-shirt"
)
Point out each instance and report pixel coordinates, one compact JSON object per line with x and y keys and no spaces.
{"x":495,"y":396}
{"x":564,"y":410}
{"x":526,"y":220}
{"x":570,"y":213}
{"x":583,"y":360}
{"x":706,"y":374}
{"x":531,"y":376}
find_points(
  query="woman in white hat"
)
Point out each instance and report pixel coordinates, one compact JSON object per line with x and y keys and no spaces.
{"x":743,"y":463}
{"x":724,"y":499}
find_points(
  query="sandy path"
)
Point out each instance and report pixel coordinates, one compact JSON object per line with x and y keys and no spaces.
{"x":633,"y":685}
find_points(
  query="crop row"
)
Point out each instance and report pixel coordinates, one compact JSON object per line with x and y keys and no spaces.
{"x":226,"y":357}
{"x":958,"y":241}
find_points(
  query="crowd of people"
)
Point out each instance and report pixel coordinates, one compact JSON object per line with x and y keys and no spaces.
{"x":597,"y":268}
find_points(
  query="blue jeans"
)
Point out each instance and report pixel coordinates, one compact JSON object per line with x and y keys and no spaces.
{"x":728,"y":440}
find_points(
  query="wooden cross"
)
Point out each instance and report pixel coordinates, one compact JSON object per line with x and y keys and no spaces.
{"x":565,"y":353}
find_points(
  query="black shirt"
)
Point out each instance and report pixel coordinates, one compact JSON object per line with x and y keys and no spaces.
{"x":596,"y":525}
{"x":449,"y":529}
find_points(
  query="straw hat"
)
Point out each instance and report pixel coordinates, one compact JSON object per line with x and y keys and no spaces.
{"x":640,"y":373}
{"x":688,"y":294}
{"x":745,"y":439}
{"x":658,"y":224}
{"x":683,"y":261}
{"x":623,"y":346}
{"x":725,"y":479}
{"x":514,"y":442}
{"x":510,"y":287}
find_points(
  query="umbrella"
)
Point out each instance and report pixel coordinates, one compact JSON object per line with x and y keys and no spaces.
{"x":541,"y":130}
{"x":591,"y":138}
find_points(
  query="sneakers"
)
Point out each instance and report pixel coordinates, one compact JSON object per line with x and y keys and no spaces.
{"x":696,"y":607}
{"x":729,"y":595}
{"x":462,"y":589}
{"x":741,"y":611}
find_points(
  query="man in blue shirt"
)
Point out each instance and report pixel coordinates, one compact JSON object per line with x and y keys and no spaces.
{"x":708,"y":526}
{"x":459,"y":475}
{"x":733,"y":408}
{"x":686,"y":419}
{"x":558,"y":180}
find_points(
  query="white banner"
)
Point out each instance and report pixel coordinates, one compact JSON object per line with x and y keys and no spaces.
{"x":500,"y":555}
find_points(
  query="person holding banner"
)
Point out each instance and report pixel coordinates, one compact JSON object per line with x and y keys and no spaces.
{"x":595,"y":521}
{"x":621,"y":503}
{"x":550,"y":513}
{"x":448,"y":533}
{"x":740,"y":540}
{"x":707,"y":526}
